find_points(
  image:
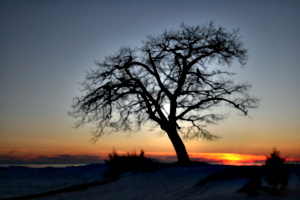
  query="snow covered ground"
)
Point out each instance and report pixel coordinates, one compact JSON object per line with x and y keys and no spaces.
{"x":166,"y":183}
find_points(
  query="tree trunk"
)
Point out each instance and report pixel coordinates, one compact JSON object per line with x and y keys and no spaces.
{"x":182,"y":155}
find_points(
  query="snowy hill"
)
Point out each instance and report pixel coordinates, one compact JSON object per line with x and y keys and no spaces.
{"x":165,"y":183}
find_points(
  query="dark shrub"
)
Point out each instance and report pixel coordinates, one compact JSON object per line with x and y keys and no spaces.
{"x":131,"y":162}
{"x":277,"y":172}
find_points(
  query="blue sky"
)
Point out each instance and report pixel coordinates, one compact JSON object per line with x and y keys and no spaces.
{"x":47,"y":47}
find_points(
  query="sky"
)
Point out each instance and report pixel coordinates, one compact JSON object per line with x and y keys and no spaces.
{"x":46,"y":48}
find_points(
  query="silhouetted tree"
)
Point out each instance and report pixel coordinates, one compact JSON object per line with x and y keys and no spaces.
{"x":171,"y":80}
{"x":277,"y":172}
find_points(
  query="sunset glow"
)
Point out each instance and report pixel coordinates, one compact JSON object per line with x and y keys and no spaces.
{"x":47,"y":47}
{"x":100,"y":157}
{"x":232,"y":158}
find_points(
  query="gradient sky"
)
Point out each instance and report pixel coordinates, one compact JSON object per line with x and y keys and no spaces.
{"x":46,"y":47}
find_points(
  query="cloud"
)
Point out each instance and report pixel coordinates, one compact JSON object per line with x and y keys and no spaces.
{"x":55,"y":159}
{"x":66,"y":158}
{"x":10,"y":151}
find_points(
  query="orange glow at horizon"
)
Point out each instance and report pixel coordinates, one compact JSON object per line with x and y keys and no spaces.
{"x":24,"y":155}
{"x":216,"y":158}
{"x":231,"y":158}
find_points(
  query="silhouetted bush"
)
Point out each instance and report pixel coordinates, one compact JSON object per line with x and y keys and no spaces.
{"x":277,"y":172}
{"x":131,"y":162}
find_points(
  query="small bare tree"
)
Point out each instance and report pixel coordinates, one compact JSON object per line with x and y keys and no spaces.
{"x":171,"y":80}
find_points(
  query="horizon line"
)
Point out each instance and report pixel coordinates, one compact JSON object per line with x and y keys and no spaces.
{"x":211,"y":158}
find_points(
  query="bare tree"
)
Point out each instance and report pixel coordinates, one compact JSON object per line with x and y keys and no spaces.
{"x":172,"y":80}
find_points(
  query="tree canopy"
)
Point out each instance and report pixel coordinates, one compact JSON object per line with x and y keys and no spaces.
{"x":174,"y":80}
